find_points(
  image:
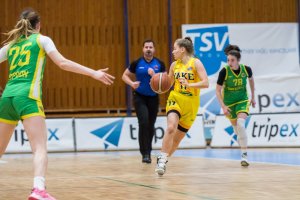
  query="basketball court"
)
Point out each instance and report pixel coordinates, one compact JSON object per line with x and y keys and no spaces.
{"x":207,"y":174}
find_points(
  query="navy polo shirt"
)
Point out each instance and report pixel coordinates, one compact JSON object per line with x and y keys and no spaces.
{"x":140,"y":69}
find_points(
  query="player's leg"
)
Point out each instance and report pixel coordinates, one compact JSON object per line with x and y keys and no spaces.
{"x":242,"y":114}
{"x":189,"y":113}
{"x":176,"y":141}
{"x":162,"y":159}
{"x":6,"y":131}
{"x":242,"y":137}
{"x":35,"y":128}
{"x":32,"y":114}
{"x":8,"y":122}
{"x":152,"y":104}
{"x":142,"y":113}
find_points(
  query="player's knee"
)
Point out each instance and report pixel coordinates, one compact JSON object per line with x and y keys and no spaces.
{"x":240,"y":123}
{"x":171,"y":128}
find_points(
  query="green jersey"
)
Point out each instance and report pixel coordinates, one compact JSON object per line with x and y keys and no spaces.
{"x":235,"y":86}
{"x":26,"y":59}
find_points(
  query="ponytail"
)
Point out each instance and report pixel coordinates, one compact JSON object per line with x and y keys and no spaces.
{"x":24,"y":27}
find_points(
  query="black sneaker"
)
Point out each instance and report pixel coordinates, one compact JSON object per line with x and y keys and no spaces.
{"x":146,"y":159}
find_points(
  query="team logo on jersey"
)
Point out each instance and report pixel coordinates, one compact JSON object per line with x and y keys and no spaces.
{"x":190,"y":69}
{"x":229,"y":130}
{"x":110,"y":133}
{"x":209,"y":44}
{"x":155,"y":67}
{"x":243,"y":75}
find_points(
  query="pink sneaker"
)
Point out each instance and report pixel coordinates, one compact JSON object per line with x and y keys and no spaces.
{"x":37,"y":194}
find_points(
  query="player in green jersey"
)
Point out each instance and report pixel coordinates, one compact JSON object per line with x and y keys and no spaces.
{"x":232,"y":81}
{"x":26,"y":52}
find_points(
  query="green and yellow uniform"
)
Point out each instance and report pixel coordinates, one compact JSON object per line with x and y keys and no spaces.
{"x":235,"y":94}
{"x":23,"y":92}
{"x":182,"y":100}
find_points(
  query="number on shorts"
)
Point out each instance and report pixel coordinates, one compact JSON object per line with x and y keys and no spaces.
{"x":171,"y":103}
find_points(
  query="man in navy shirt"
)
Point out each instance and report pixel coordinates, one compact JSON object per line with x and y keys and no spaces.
{"x":146,"y":102}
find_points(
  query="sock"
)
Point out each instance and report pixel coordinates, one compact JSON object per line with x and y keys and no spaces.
{"x":164,"y":156}
{"x":242,"y":134}
{"x":39,"y":182}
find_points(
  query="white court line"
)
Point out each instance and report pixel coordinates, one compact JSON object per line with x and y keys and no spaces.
{"x":3,"y":162}
{"x":257,"y":162}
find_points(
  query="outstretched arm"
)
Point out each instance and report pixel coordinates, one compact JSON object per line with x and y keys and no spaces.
{"x":71,"y":66}
{"x":68,"y":65}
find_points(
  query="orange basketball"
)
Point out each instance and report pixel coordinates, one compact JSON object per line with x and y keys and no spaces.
{"x":160,"y":83}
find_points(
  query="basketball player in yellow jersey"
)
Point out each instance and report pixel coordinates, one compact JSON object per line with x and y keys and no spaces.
{"x":189,"y":75}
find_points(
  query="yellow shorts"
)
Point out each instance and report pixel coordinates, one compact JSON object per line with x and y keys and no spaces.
{"x":185,"y":106}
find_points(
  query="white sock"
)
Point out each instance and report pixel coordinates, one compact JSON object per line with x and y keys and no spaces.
{"x":164,"y":155}
{"x":39,"y":182}
{"x":242,"y":134}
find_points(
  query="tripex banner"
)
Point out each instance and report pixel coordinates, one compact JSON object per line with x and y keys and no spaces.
{"x":265,"y":130}
{"x":273,"y":94}
{"x":122,"y":134}
{"x":59,"y":135}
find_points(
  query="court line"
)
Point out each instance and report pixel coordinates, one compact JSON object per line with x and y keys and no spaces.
{"x":257,"y":162}
{"x":158,"y":188}
{"x":3,"y":162}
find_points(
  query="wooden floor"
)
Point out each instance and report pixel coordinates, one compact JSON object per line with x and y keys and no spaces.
{"x":93,"y":176}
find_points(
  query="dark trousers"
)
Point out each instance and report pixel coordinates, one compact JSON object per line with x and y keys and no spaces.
{"x":146,"y":108}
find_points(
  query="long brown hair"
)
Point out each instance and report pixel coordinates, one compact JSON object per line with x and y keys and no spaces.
{"x":25,"y":26}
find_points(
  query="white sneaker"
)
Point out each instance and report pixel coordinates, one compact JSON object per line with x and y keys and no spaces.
{"x":161,"y":165}
{"x":244,"y":161}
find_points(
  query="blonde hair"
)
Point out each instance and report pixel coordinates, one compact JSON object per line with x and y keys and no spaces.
{"x":187,"y":44}
{"x":25,"y":26}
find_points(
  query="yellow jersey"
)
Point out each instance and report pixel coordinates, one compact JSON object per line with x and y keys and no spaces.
{"x":188,"y":72}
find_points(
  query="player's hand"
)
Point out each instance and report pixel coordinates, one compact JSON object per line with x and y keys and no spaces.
{"x":135,"y":84}
{"x":151,"y":72}
{"x":104,"y":77}
{"x":184,"y":82}
{"x":253,"y":102}
{"x":226,"y":110}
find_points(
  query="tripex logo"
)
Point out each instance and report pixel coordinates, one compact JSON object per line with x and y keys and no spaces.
{"x":110,"y":133}
{"x":20,"y":135}
{"x":209,"y":45}
{"x":267,"y":129}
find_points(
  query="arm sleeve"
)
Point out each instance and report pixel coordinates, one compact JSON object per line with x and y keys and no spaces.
{"x":222,"y":75}
{"x":47,"y":44}
{"x":132,"y":66}
{"x":249,"y":71}
{"x":3,"y":53}
{"x":162,"y":66}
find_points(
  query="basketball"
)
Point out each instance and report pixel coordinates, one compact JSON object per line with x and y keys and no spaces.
{"x":160,"y":83}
